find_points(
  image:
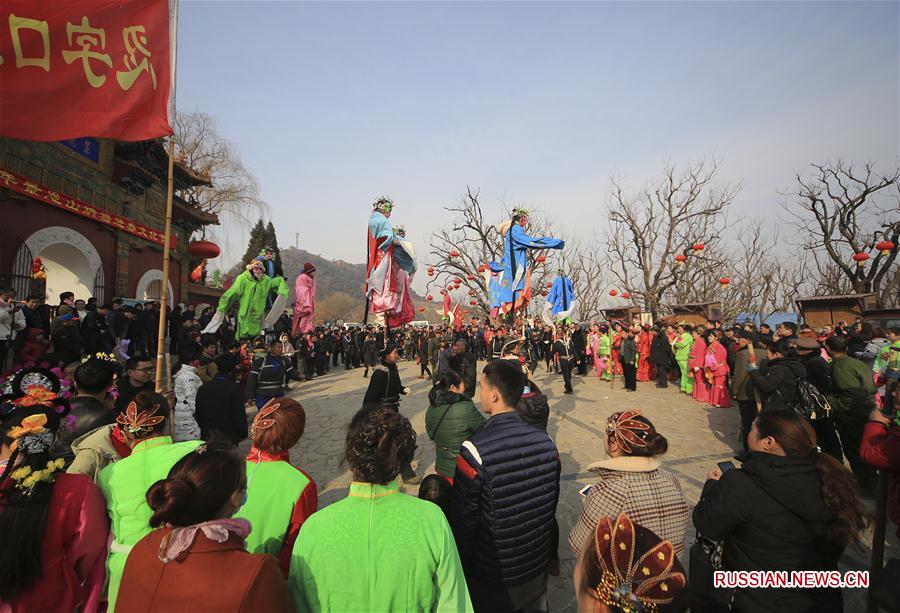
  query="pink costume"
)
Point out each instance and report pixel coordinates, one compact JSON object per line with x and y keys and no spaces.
{"x":695,"y":365}
{"x":717,"y":362}
{"x":304,"y":304}
{"x":594,"y":350}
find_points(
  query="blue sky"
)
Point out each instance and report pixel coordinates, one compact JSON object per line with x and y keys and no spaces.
{"x":537,"y":103}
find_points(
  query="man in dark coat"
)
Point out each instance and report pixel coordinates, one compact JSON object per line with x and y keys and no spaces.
{"x":660,"y":356}
{"x":464,"y":364}
{"x":579,"y":344}
{"x":220,"y":406}
{"x":817,"y":373}
{"x":563,"y":348}
{"x":507,"y":472}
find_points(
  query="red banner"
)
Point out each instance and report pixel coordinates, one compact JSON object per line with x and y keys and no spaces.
{"x":27,"y":187}
{"x":71,"y":68}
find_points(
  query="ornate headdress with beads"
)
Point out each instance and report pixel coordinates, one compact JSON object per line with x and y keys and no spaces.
{"x":262,"y":419}
{"x":383,"y":204}
{"x":139,"y":423}
{"x":638,"y":571}
{"x":627,"y":431}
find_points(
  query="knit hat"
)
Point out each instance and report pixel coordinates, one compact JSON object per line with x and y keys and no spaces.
{"x":308,"y":268}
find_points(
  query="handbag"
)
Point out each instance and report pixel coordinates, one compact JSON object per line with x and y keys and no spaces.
{"x":705,"y":559}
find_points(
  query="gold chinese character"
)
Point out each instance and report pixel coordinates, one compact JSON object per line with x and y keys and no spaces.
{"x":41,"y":27}
{"x":105,"y":218}
{"x":89,"y":211}
{"x":7,"y":178}
{"x":53,"y":197}
{"x":86,"y":38}
{"x":135,"y":42}
{"x":31,"y":189}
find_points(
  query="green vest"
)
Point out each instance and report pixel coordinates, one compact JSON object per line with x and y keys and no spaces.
{"x":124,"y":485}
{"x":273,"y":489}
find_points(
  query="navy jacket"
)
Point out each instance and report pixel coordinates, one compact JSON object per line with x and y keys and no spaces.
{"x":505,"y":492}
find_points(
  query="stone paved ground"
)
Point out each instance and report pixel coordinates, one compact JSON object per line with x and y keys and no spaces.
{"x":698,"y":437}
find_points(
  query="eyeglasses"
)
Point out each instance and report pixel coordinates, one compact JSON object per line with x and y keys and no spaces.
{"x":147,"y":369}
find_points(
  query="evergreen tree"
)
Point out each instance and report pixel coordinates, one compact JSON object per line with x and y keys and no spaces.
{"x":257,"y":242}
{"x":272,"y":241}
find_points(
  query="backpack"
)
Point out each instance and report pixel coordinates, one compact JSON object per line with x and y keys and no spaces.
{"x":810,"y":402}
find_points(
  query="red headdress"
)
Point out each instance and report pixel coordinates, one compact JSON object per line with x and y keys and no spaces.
{"x":139,"y":424}
{"x":262,"y":419}
{"x":626,"y":430}
{"x":638,"y":571}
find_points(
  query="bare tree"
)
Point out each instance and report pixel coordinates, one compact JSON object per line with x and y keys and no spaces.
{"x":234,"y":194}
{"x":664,"y":219}
{"x":842,"y":212}
{"x":472,"y":241}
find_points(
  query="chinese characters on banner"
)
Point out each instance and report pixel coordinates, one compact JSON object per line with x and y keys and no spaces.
{"x":77,"y":68}
{"x":27,"y":187}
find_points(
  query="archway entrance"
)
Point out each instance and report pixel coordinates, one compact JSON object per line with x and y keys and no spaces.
{"x":70,"y":259}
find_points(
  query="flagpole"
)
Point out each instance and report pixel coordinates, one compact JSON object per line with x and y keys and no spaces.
{"x":170,"y":192}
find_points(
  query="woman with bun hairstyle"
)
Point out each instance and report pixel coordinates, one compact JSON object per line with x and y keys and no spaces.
{"x":280,"y":496}
{"x":53,"y":526}
{"x":376,"y":526}
{"x":632,"y":482}
{"x":124,"y":483}
{"x":451,"y":418}
{"x":788,"y":508}
{"x":196,"y":558}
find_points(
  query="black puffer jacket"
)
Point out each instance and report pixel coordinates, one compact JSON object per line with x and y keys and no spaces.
{"x":504,"y":501}
{"x":776,"y":381}
{"x":533,"y":407}
{"x":771,"y":516}
{"x":660,"y":350}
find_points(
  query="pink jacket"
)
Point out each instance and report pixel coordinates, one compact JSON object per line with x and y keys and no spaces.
{"x":304,"y":304}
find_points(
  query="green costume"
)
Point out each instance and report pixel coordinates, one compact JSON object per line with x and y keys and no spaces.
{"x":124,"y":485}
{"x":377,"y":550}
{"x":605,"y":351}
{"x":682,"y":348}
{"x":252,"y":296}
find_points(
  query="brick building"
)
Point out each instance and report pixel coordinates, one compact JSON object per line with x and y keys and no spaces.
{"x":93,"y":211}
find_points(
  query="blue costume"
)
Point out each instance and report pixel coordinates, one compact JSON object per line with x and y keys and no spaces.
{"x":494,"y":285}
{"x":562,"y":294}
{"x":513,"y":286}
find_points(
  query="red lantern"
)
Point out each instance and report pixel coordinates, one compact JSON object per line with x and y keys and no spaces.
{"x":860,"y":259}
{"x":885,"y":247}
{"x":544,"y":293}
{"x":541,"y":258}
{"x":457,"y":280}
{"x":481,"y":268}
{"x":454,"y":254}
{"x":549,"y":285}
{"x":429,"y":297}
{"x":443,"y":291}
{"x":203,"y":249}
{"x":724,"y":281}
{"x":430,"y":273}
{"x":472,"y":302}
{"x":421,"y":309}
{"x":37,"y":270}
{"x":699,"y":247}
{"x":680,"y":258}
{"x":613,"y":292}
{"x":626,"y":295}
{"x":197,"y":273}
{"x":470,"y":277}
{"x":471,"y":293}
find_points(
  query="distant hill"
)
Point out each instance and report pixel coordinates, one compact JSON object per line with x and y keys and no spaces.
{"x":339,"y":286}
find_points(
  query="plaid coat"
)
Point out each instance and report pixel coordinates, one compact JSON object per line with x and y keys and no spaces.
{"x":637,"y":487}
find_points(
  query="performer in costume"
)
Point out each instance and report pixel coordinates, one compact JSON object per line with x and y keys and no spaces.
{"x":250,"y":289}
{"x":696,"y":362}
{"x":304,"y":301}
{"x":391,"y":262}
{"x":273,"y":269}
{"x":644,"y":340}
{"x":605,"y":351}
{"x":716,"y":364}
{"x":493,"y":278}
{"x":616,"y":337}
{"x":562,"y":298}
{"x":515,"y":284}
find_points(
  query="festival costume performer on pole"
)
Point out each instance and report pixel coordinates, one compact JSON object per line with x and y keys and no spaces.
{"x":515,"y":284}
{"x":273,"y":269}
{"x":561,"y":300}
{"x":391,"y":263}
{"x":251,"y":289}
{"x":304,"y":301}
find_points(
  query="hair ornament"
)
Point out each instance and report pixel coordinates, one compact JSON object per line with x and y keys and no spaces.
{"x":383,"y":204}
{"x":629,"y":585}
{"x":139,"y":424}
{"x":262,"y":419}
{"x":626,"y":430}
{"x":26,"y":478}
